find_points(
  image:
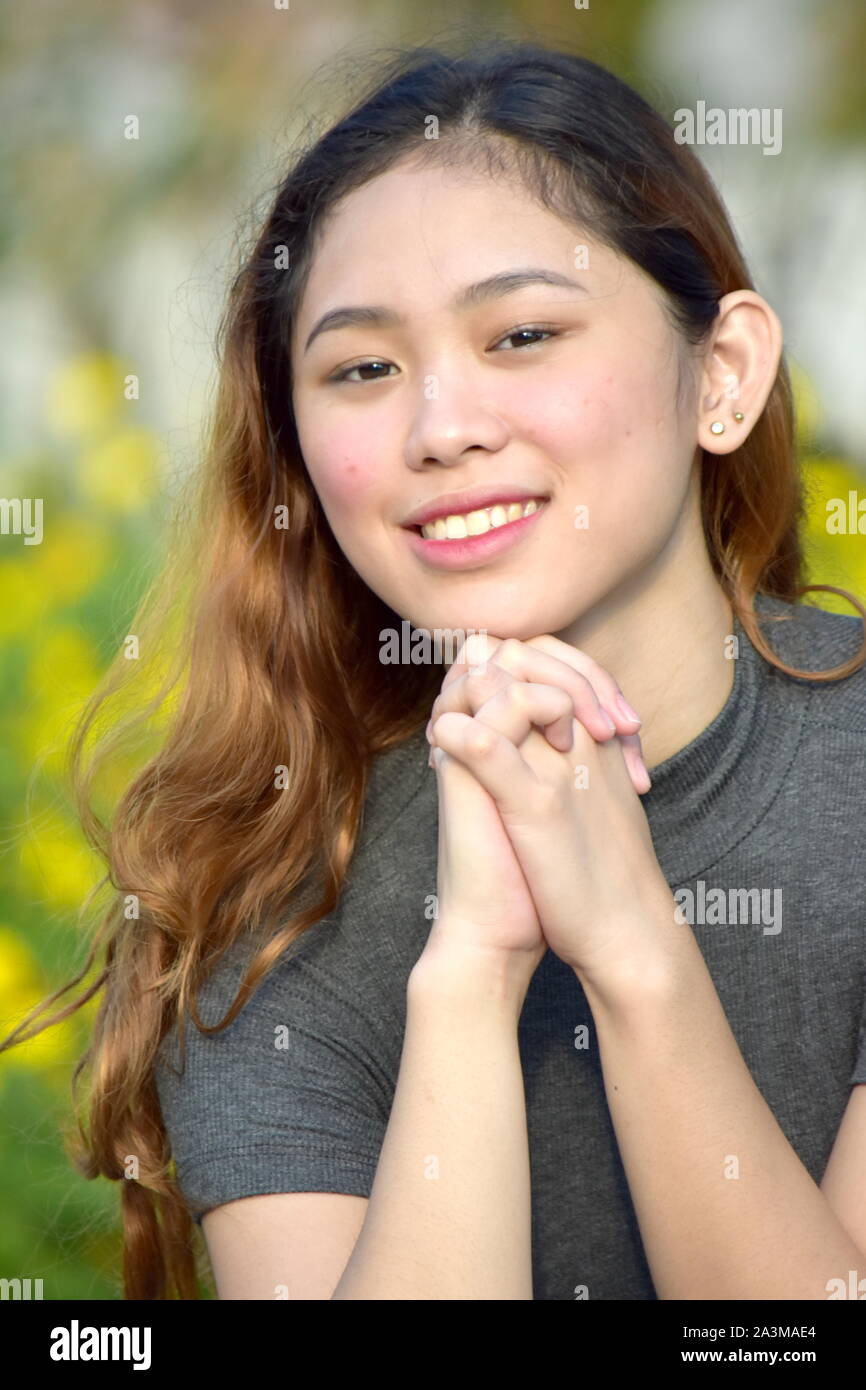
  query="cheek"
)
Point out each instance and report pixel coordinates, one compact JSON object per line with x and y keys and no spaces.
{"x":600,"y":413}
{"x":344,"y":472}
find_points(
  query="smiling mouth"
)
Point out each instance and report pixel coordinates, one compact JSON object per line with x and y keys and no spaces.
{"x":467,"y":525}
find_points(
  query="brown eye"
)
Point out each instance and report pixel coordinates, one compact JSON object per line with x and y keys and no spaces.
{"x":540,"y":333}
{"x":358,"y":367}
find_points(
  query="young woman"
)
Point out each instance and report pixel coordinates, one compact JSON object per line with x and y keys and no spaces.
{"x":531,"y":1024}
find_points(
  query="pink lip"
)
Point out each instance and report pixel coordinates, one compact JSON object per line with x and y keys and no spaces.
{"x":473,"y":550}
{"x":469,"y":500}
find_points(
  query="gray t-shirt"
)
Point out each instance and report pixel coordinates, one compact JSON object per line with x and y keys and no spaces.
{"x":295,"y":1094}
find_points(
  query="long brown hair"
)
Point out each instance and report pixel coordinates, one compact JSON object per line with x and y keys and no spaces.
{"x":264,"y":640}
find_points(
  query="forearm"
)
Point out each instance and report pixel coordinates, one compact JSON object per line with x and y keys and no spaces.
{"x":449,"y":1212}
{"x":726,"y":1209}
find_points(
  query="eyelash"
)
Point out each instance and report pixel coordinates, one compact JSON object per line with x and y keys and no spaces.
{"x":342,"y":375}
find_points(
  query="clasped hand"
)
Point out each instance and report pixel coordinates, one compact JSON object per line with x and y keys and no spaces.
{"x":543,"y":838}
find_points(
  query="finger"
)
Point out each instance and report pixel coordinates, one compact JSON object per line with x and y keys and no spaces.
{"x":567,"y":658}
{"x":466,"y":692}
{"x":455,"y":696}
{"x":519,"y":706}
{"x":552,"y":710}
{"x":625,"y":747}
{"x":479,"y":648}
{"x":634,"y":761}
{"x":491,"y":757}
{"x":603,"y":682}
{"x":531,"y":663}
{"x":522,"y":707}
{"x":476,"y":650}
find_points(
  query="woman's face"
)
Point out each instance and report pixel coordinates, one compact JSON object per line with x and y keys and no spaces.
{"x":563,"y":392}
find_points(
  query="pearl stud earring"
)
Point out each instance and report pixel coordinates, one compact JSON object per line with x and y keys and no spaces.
{"x":718,"y":428}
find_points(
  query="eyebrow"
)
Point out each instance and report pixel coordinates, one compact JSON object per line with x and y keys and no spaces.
{"x":494,"y":287}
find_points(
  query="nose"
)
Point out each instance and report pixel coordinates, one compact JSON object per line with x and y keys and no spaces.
{"x":449,"y":420}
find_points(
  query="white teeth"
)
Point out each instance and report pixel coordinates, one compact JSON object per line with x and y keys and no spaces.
{"x":457,"y":526}
{"x":477,"y":523}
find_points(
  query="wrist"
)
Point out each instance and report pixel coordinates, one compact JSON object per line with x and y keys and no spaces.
{"x":647,"y":956}
{"x":627,"y":986}
{"x":466,"y":971}
{"x":654,"y":976}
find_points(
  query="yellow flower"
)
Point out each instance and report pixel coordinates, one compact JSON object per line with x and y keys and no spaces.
{"x":120,"y":473}
{"x":61,"y":675}
{"x":21,"y":989}
{"x":62,"y":668}
{"x":834,"y":558}
{"x":86,"y":396}
{"x":43,"y":734}
{"x":71,"y":559}
{"x":57,"y":865}
{"x":809,"y":414}
{"x":17,"y":963}
{"x":22,"y":601}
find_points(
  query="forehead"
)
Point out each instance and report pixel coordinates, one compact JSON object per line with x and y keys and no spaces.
{"x":414,"y":233}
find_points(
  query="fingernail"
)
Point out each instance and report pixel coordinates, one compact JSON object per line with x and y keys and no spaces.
{"x":430,"y":762}
{"x":427,"y":730}
{"x":645,"y":770}
{"x":607,"y":719}
{"x":627,"y":710}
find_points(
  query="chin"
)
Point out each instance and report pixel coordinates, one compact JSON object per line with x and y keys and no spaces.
{"x":503,"y":611}
{"x":496,"y":624}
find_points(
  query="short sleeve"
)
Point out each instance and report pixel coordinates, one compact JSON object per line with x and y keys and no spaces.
{"x":294,"y":1095}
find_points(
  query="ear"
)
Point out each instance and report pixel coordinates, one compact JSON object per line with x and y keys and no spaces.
{"x":740,"y":370}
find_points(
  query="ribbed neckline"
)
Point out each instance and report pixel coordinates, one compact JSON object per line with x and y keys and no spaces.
{"x":711,"y":794}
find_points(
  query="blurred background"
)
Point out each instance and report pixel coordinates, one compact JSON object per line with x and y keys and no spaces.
{"x":117,"y":253}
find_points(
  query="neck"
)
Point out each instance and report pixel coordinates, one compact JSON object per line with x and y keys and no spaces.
{"x":662,"y":637}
